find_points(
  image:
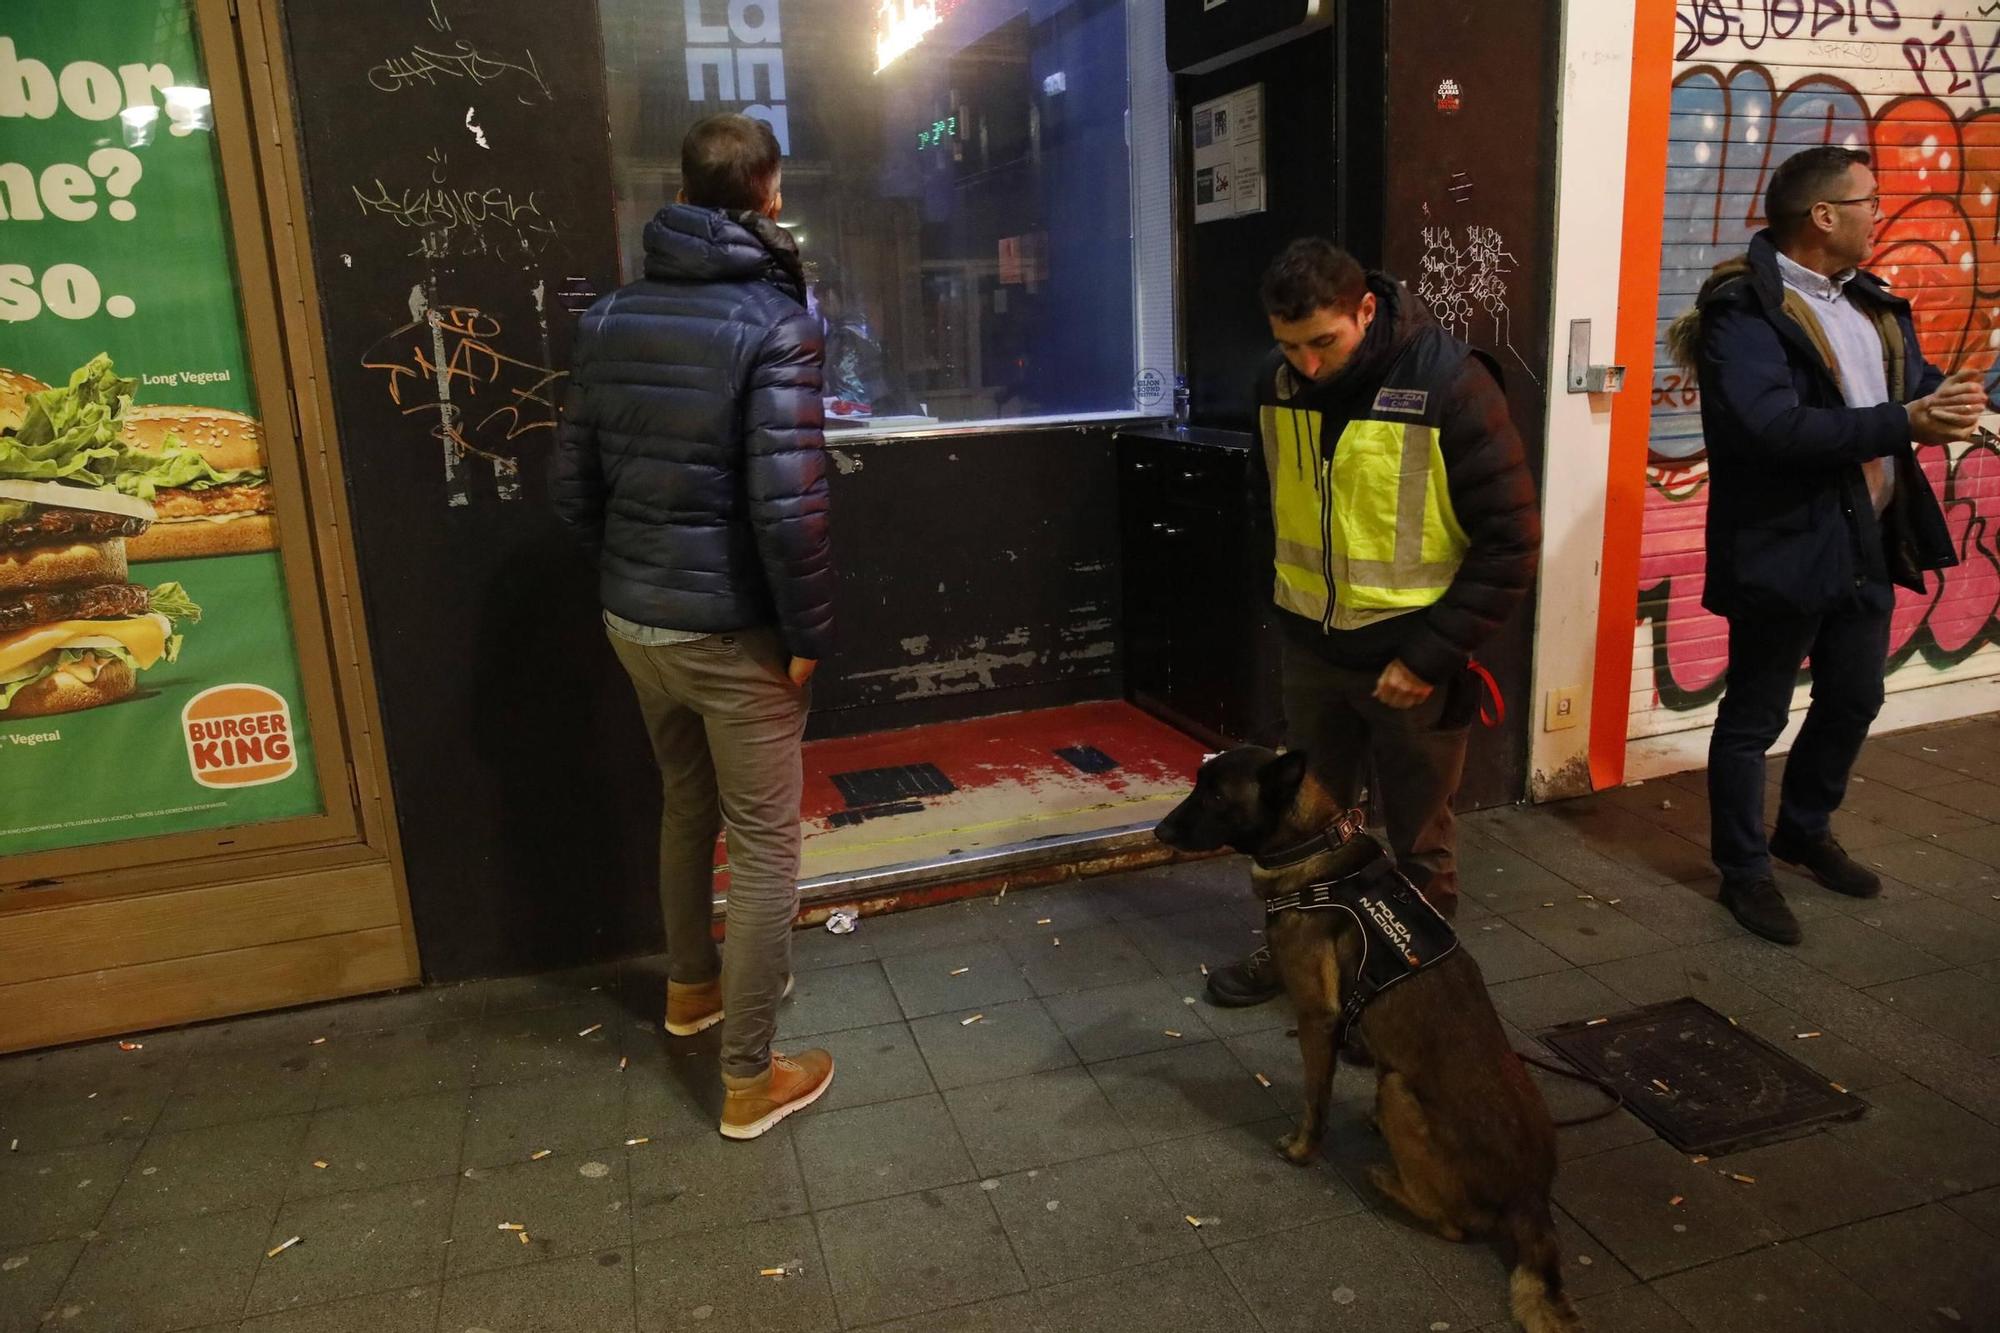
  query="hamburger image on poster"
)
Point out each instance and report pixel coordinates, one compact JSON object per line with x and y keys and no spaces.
{"x":223,"y":507}
{"x":220,"y":518}
{"x":75,"y":629}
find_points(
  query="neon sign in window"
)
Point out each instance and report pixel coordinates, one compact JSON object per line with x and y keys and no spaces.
{"x":939,"y":131}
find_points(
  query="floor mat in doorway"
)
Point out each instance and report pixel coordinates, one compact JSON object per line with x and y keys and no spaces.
{"x":1706,"y":1085}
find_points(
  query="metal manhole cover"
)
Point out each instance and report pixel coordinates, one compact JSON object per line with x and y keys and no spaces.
{"x":1706,"y":1085}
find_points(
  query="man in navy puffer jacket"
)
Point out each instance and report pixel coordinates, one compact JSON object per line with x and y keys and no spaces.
{"x":691,"y":461}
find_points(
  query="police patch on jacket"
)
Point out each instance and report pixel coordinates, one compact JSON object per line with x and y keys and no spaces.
{"x":1410,"y":401}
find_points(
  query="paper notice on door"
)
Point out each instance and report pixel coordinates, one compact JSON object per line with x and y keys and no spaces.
{"x":1229,"y":155}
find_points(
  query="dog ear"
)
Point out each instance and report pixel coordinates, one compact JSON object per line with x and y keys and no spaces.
{"x":1279,"y":780}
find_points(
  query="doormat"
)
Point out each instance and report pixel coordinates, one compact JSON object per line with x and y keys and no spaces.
{"x":1706,"y":1085}
{"x":879,"y":786}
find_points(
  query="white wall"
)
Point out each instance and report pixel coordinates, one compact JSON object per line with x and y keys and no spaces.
{"x":1590,"y":183}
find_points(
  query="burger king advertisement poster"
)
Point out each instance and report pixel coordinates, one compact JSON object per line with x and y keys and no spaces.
{"x":149,"y":683}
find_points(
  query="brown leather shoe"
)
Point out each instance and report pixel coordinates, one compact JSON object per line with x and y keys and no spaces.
{"x":693,"y":1008}
{"x":697,"y":1007}
{"x":751,"y":1106}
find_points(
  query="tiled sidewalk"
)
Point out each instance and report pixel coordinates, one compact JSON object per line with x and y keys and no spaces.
{"x":1034,"y":1170}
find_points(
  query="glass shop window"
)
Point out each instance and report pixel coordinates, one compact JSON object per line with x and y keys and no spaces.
{"x":979,"y":188}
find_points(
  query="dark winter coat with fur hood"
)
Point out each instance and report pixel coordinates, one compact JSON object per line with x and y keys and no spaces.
{"x":1791,"y":528}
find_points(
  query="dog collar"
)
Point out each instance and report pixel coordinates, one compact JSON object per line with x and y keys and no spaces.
{"x":1332,"y":838}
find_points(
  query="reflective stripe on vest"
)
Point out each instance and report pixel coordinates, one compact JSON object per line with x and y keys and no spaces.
{"x":1366,"y":533}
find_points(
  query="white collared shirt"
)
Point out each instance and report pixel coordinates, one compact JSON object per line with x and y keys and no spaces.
{"x":1857,"y":353}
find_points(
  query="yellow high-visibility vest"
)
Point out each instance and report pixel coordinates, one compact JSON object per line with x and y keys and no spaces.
{"x":1366,"y":529}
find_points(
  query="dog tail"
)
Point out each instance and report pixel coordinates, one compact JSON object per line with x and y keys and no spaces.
{"x":1537,"y":1288}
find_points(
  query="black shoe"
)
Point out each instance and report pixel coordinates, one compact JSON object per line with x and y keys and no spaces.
{"x":1828,"y":862}
{"x":1240,"y":985}
{"x":1761,"y":908}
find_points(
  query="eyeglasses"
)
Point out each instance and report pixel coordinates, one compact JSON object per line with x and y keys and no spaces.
{"x":1874,"y":202}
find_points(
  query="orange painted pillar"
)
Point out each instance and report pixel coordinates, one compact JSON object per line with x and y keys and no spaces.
{"x":1632,"y":409}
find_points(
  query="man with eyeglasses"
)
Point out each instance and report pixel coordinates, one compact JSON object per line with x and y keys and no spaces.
{"x":1813,"y":392}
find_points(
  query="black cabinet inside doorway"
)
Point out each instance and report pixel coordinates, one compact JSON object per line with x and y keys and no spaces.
{"x":1200,"y":646}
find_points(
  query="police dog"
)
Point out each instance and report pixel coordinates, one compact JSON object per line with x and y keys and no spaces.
{"x":1472,"y":1146}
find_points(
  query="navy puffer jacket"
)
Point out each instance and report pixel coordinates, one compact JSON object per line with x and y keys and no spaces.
{"x":690,"y":456}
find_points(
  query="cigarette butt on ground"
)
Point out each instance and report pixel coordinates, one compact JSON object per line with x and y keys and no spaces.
{"x":1661,"y":1085}
{"x":1170,"y":1032}
{"x":1265,"y":1081}
{"x":633,"y":1143}
{"x":320,"y":1165}
{"x":1043,"y":920}
{"x":1808,"y":1036}
{"x":277,"y":1250}
{"x":1740,"y":1178}
{"x":512,"y":1226}
{"x":1595,"y":1021}
{"x":1675,"y":1202}
{"x":770,"y":1272}
{"x":1835,"y":1086}
{"x":319,"y":1041}
{"x":15,"y":1146}
{"x":536,"y":1157}
{"x":1056,"y":940}
{"x":623,"y":1062}
{"x":1548,"y":904}
{"x":1193,"y":1221}
{"x":592,"y":1028}
{"x":1204,"y":969}
{"x":960,"y":971}
{"x":524,"y":1238}
{"x":131,"y":1045}
{"x":968,"y":1022}
{"x":1586,"y":897}
{"x":1614,"y":901}
{"x":1699,"y":1158}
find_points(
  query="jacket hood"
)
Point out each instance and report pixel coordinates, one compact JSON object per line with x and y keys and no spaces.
{"x":1684,"y":333}
{"x":689,"y":244}
{"x":1398,"y":318}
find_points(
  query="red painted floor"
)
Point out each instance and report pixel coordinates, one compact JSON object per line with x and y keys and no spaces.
{"x":1008,"y":786}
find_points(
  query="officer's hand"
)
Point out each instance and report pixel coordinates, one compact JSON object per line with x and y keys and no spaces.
{"x":801,"y":670}
{"x":1400,"y":687}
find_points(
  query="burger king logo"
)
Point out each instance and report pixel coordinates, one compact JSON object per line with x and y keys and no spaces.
{"x":239,"y":736}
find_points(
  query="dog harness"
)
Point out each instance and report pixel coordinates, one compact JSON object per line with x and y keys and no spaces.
{"x":1401,"y":933}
